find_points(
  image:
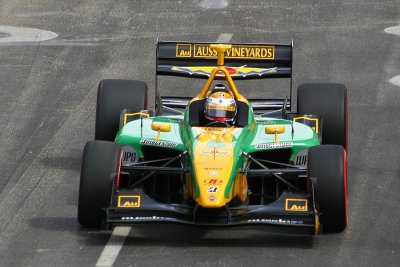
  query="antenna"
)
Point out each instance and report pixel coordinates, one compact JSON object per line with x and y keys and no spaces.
{"x":291,"y":76}
{"x":157,"y":98}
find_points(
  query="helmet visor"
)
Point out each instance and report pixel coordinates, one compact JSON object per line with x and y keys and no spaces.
{"x":220,"y":113}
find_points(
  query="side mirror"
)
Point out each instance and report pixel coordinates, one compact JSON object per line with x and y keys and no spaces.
{"x":160,"y":127}
{"x":275,"y":129}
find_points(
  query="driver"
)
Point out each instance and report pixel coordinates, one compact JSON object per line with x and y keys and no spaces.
{"x":220,"y":106}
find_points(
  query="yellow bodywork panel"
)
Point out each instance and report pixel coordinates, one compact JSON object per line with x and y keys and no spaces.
{"x":241,"y":187}
{"x":213,"y":161}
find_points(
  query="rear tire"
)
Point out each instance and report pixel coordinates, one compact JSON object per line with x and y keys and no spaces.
{"x":113,"y":96}
{"x":328,"y":164}
{"x":100,"y":160}
{"x":328,"y":100}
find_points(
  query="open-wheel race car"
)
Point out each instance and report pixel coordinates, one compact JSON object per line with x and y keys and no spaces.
{"x":218,"y":158}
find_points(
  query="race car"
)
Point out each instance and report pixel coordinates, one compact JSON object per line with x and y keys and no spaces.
{"x":217,"y":158}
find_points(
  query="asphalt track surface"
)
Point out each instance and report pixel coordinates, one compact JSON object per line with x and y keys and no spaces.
{"x":47,"y":107}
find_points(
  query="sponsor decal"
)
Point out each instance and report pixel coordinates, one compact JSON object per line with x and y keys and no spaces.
{"x":128,"y":201}
{"x":215,"y":129}
{"x":213,"y":168}
{"x":214,"y":152}
{"x":296,"y":204}
{"x":183,"y":50}
{"x":282,"y":221}
{"x":211,"y":198}
{"x":155,"y":218}
{"x":215,"y":144}
{"x":212,"y":182}
{"x":274,"y":145}
{"x":212,"y":189}
{"x":221,"y":95}
{"x":237,"y":51}
{"x":129,"y":156}
{"x":148,"y":142}
{"x":213,"y":172}
{"x":221,"y":108}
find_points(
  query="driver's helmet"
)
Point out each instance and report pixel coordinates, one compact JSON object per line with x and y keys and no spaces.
{"x":220,"y":105}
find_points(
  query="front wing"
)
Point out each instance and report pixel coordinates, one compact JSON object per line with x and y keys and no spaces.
{"x":290,"y":209}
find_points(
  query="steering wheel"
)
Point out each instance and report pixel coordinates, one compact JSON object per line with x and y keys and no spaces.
{"x":218,"y":124}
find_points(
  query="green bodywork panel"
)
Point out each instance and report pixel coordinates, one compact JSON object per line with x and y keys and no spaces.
{"x":251,"y":138}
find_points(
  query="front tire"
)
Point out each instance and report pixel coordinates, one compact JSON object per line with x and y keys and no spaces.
{"x":328,"y":164}
{"x":100,"y":161}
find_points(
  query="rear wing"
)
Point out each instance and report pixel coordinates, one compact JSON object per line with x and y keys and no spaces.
{"x":244,"y":61}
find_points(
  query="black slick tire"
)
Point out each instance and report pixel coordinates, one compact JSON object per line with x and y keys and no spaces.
{"x":113,"y":96}
{"x":100,"y":161}
{"x":328,"y":164}
{"x":328,"y":100}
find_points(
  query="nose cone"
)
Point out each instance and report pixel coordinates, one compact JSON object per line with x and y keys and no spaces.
{"x":213,"y":179}
{"x":213,"y":162}
{"x":212,"y":200}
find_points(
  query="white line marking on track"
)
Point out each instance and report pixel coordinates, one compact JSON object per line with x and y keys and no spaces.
{"x":396,"y":31}
{"x":20,"y":34}
{"x":393,"y":30}
{"x":395,"y":80}
{"x":224,"y":38}
{"x":214,"y":4}
{"x":113,"y":246}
